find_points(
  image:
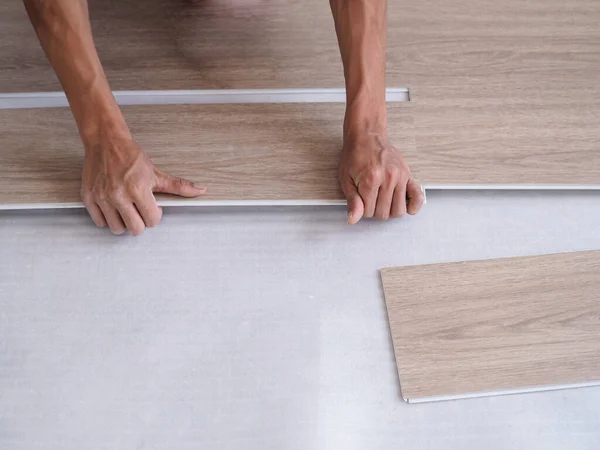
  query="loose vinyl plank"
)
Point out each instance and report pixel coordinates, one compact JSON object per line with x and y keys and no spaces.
{"x":495,"y":326}
{"x":257,"y":152}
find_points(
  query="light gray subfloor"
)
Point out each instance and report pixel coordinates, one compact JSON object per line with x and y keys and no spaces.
{"x":257,"y":329}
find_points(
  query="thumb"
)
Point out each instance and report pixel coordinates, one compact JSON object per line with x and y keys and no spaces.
{"x":177,"y":186}
{"x":356,"y":207}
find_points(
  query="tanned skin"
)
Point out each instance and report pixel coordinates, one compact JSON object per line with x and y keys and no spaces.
{"x":119,"y":180}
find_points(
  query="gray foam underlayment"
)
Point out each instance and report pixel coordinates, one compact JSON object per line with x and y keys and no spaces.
{"x":258,"y":328}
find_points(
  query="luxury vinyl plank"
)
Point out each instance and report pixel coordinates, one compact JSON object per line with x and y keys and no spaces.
{"x":191,"y":44}
{"x":524,"y":138}
{"x":504,"y":92}
{"x":182,"y":44}
{"x":451,"y":43}
{"x":241,"y":152}
{"x":493,"y":326}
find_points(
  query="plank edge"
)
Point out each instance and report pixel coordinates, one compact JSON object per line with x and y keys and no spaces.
{"x":526,"y":390}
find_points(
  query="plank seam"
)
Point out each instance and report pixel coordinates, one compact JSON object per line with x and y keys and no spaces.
{"x":320,"y":202}
{"x":22,"y":100}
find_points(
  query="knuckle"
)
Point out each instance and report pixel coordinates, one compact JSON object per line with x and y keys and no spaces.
{"x":101,"y":198}
{"x":87,"y":197}
{"x":373,"y":177}
{"x":139,"y":185}
{"x":103,"y":195}
{"x":392,"y":172}
{"x":117,"y":196}
{"x":403,"y":178}
{"x":136,"y":189}
{"x":182,"y":183}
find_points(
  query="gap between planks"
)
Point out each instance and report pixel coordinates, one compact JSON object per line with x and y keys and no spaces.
{"x":316,"y":202}
{"x":200,"y":97}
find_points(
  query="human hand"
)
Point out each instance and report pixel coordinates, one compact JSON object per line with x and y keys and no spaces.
{"x":118,"y":184}
{"x":376,"y":179}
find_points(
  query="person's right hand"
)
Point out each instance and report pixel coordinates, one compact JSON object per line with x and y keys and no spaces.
{"x":118,"y":184}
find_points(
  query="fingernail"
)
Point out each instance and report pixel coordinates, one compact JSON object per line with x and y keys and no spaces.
{"x":350,"y":215}
{"x":199,"y":186}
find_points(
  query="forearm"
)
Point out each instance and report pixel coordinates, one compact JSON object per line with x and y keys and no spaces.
{"x":64,"y":30}
{"x":361,"y":27}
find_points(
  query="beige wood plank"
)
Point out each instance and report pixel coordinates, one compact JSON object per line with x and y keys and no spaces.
{"x":191,"y":44}
{"x":181,"y":44}
{"x":495,"y":325}
{"x":504,"y":92}
{"x":241,"y":152}
{"x":549,"y":139}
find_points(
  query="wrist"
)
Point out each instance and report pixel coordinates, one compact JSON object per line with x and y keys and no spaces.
{"x":365,"y":119}
{"x":98,"y":117}
{"x":103,"y":126}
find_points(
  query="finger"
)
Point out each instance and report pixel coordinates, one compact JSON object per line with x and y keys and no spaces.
{"x":96,"y":214}
{"x":384,"y":201}
{"x":146,"y":205}
{"x":356,"y":208}
{"x":113,"y":218}
{"x":132,"y":219}
{"x":415,"y":195}
{"x":177,"y":186}
{"x":399,"y":201}
{"x":368,"y":193}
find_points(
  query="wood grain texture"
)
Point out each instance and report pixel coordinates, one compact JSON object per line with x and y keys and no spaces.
{"x":504,"y":92}
{"x":241,"y":152}
{"x":190,"y":44}
{"x":552,"y":138}
{"x":482,"y":326}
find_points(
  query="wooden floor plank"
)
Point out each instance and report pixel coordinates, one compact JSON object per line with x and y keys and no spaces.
{"x":502,"y":92}
{"x":505,"y":92}
{"x":241,"y":152}
{"x":552,"y":138}
{"x":193,"y":44}
{"x":496,"y":325}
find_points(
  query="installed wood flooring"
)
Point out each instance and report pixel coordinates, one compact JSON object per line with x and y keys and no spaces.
{"x":502,"y":92}
{"x":505,"y":92}
{"x":497,"y":325}
{"x":241,"y":152}
{"x":188,"y":44}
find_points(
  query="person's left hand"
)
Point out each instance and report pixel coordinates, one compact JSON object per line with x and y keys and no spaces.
{"x":376,"y":179}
